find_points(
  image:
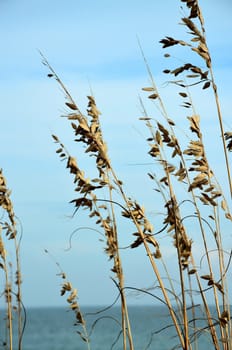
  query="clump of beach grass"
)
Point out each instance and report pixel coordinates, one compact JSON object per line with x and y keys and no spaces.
{"x":183,"y":178}
{"x":11,"y":294}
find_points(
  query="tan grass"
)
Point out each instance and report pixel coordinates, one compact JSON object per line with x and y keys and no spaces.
{"x":180,"y":165}
{"x":13,"y":297}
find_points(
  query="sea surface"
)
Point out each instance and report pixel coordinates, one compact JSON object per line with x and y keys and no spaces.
{"x":52,"y":329}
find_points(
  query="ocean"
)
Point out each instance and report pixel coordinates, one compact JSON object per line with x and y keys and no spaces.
{"x":52,"y":329}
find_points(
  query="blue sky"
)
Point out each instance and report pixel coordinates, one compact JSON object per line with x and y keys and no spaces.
{"x":88,"y":43}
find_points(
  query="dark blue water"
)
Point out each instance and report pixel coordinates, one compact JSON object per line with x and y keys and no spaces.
{"x":52,"y":329}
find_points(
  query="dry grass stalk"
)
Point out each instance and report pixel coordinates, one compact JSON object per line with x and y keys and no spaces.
{"x":204,"y":181}
{"x":87,"y":131}
{"x":72,"y":300}
{"x":8,"y":232}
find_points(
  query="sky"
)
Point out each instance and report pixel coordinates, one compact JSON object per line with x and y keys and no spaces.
{"x":93,"y":46}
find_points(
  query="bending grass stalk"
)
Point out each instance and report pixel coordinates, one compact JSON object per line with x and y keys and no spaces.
{"x":11,"y":233}
{"x":153,"y":264}
{"x":183,"y":162}
{"x":222,"y":131}
{"x":177,"y":230}
{"x":217,"y":235}
{"x":124,"y":309}
{"x":99,"y":145}
{"x":209,"y":63}
{"x":199,"y":218}
{"x":9,"y":306}
{"x":72,"y":300}
{"x":176,"y":225}
{"x":18,"y":283}
{"x":217,"y":240}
